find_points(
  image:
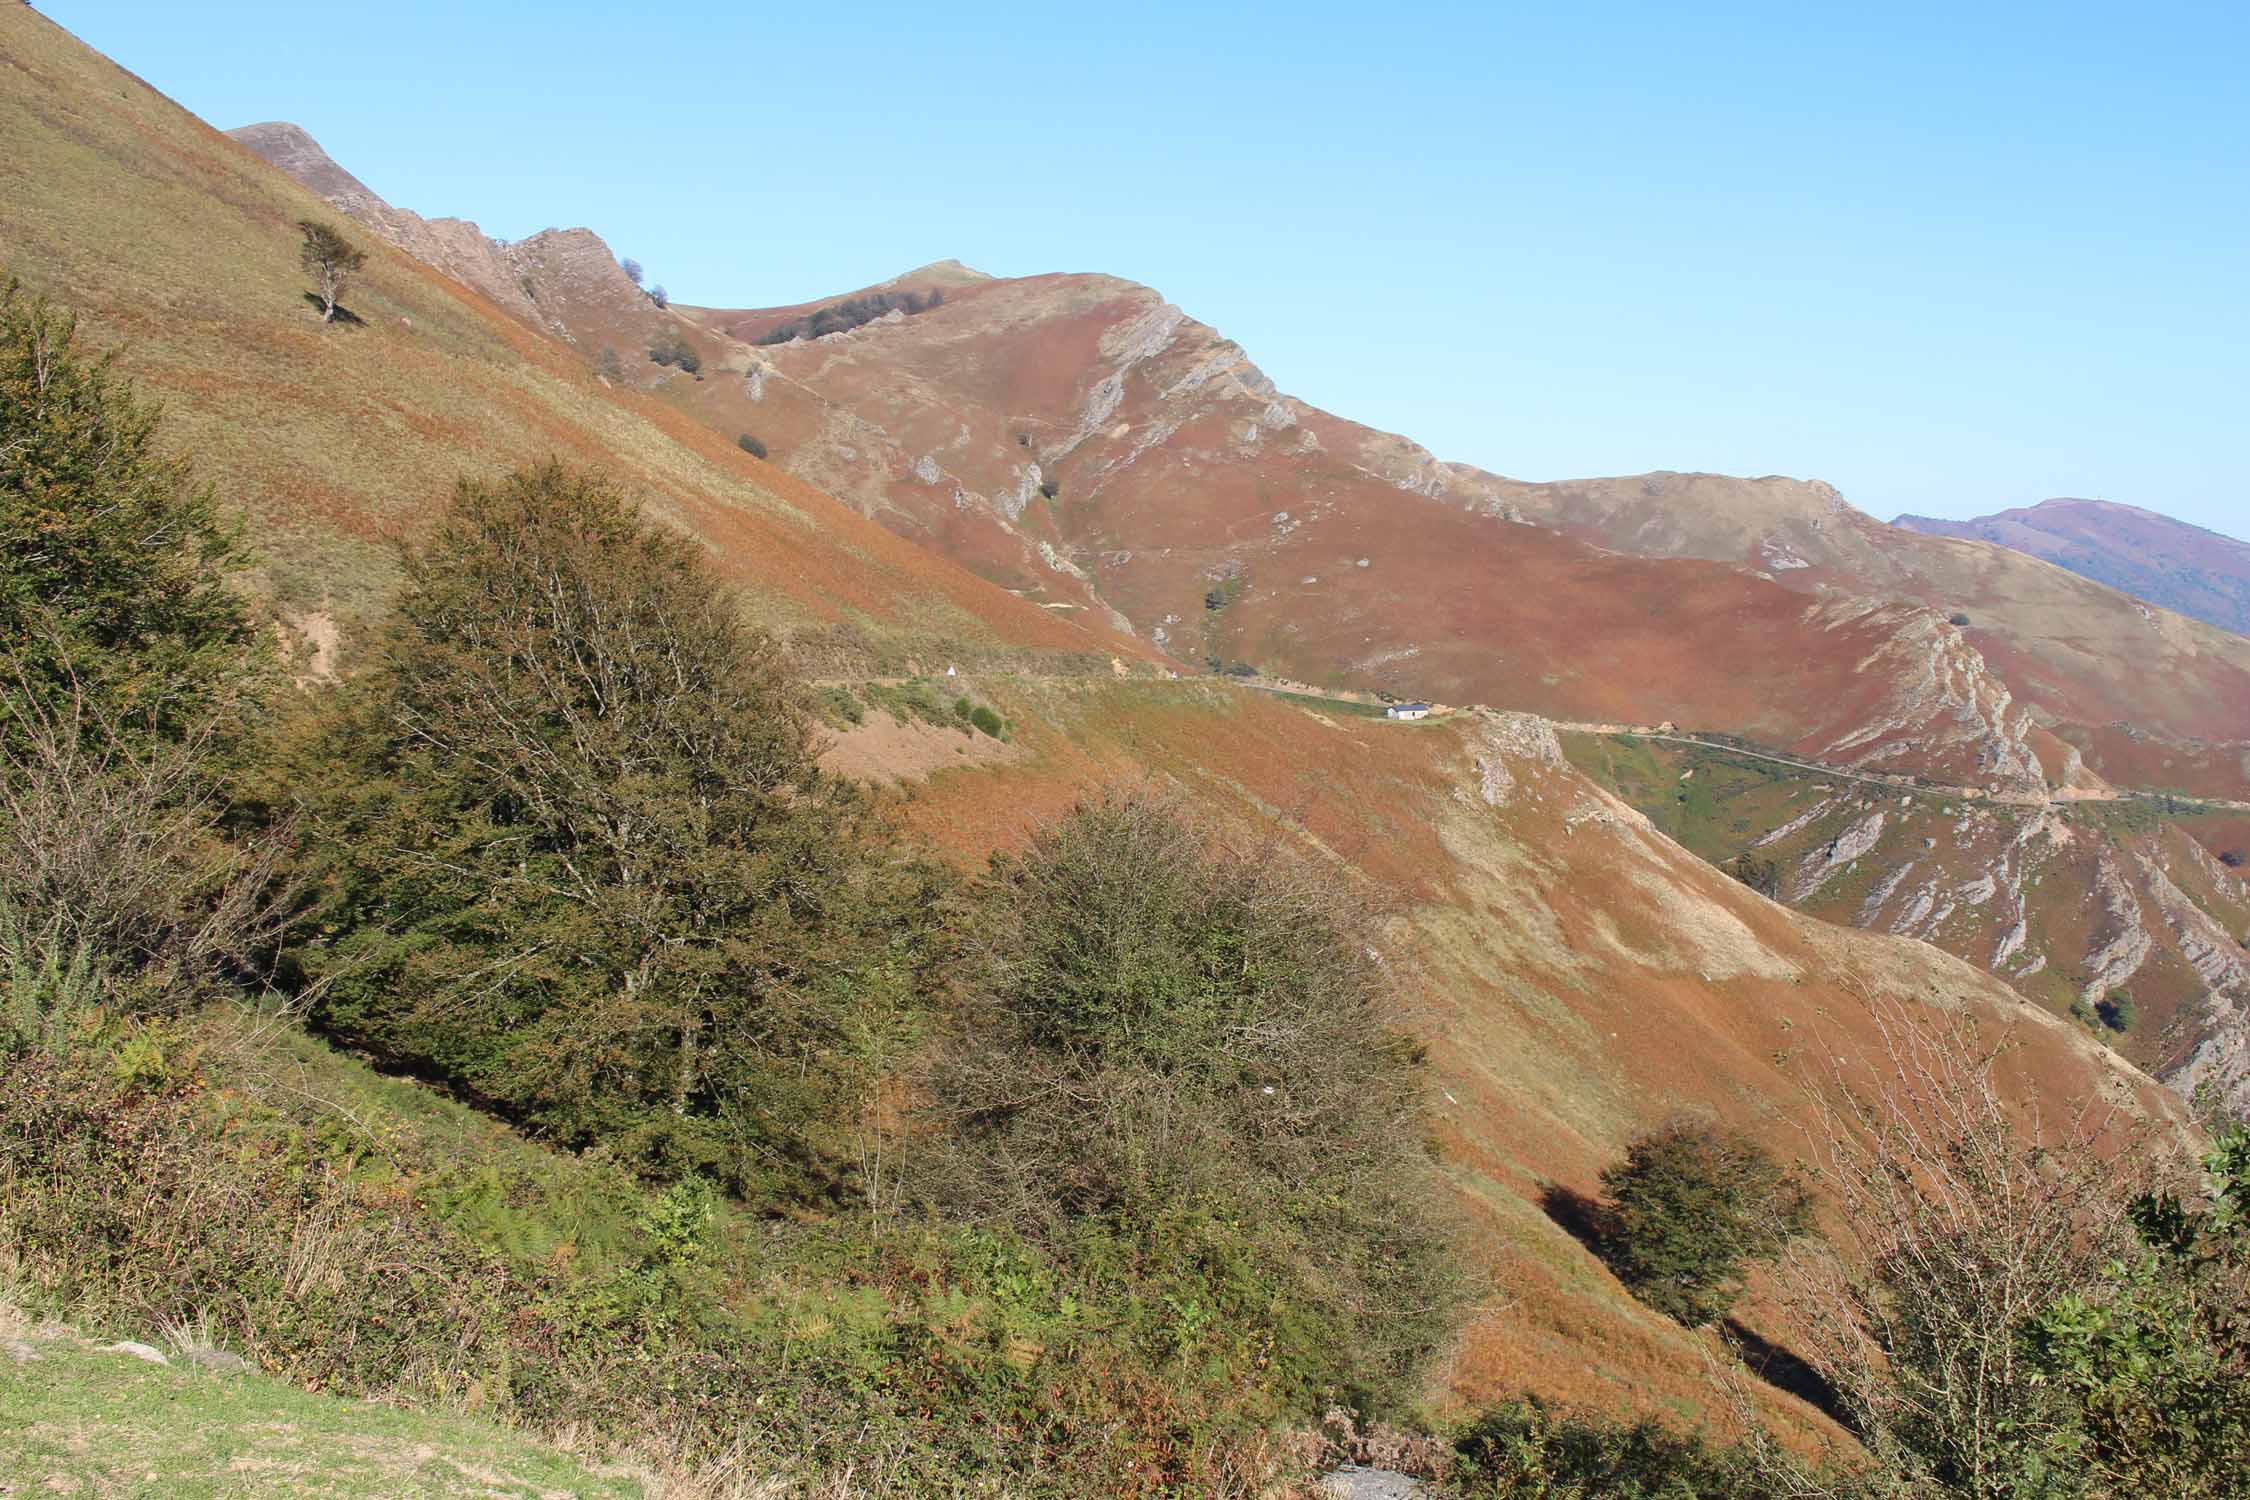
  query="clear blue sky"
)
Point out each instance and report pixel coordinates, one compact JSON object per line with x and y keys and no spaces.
{"x":1948,"y":257}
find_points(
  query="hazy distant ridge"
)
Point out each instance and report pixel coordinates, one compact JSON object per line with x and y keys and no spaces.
{"x":2199,"y":573}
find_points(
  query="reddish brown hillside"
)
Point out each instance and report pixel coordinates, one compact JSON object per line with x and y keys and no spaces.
{"x":1078,"y":438}
{"x":1086,"y":445}
{"x":179,"y":248}
{"x":1181,"y":477}
{"x":2150,"y":698}
{"x":1579,"y":974}
{"x":2196,"y":572}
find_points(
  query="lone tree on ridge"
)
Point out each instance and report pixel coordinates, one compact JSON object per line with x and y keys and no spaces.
{"x":330,"y":260}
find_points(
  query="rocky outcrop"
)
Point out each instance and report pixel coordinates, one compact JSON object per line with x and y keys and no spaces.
{"x":454,"y":246}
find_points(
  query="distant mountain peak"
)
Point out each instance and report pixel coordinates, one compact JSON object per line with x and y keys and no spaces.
{"x":292,"y":148}
{"x":2195,"y":571}
{"x":948,"y":272}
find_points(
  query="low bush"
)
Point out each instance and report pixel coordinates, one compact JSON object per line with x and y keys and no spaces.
{"x":852,"y":312}
{"x":917,"y":699}
{"x":1690,"y":1206}
{"x":357,"y":1235}
{"x":750,"y":445}
{"x":1186,"y":1057}
{"x":1761,"y":875}
{"x":1528,"y":1450}
{"x":677,"y":352}
{"x":838,"y":706}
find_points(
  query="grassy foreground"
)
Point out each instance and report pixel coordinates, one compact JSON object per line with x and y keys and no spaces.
{"x":84,"y":1422}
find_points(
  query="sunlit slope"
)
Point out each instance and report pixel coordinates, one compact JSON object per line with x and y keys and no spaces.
{"x":2149,"y":697}
{"x":180,"y":248}
{"x":2195,"y":571}
{"x":2074,"y":903}
{"x":1080,"y":435}
{"x":1579,"y":974}
{"x":1087,"y":445}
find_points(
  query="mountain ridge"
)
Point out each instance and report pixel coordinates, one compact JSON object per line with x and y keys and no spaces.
{"x":1045,"y":430}
{"x":2193,"y":570}
{"x":1585,"y":972}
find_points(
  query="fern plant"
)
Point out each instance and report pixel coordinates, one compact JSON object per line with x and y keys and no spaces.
{"x":48,"y":987}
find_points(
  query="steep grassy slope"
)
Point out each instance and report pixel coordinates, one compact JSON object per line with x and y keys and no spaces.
{"x":181,"y":248}
{"x":1579,"y":974}
{"x":1132,"y":452}
{"x":1347,"y":555}
{"x":2071,"y":903}
{"x":2149,"y":698}
{"x":1084,"y":444}
{"x":1087,"y":445}
{"x":2187,"y":569}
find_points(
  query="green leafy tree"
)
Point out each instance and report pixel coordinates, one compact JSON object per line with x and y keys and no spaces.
{"x":1690,"y":1207}
{"x":578,"y":858}
{"x":114,"y":562}
{"x":126,"y":664}
{"x":1192,"y":1050}
{"x":2153,"y":1355}
{"x":331,"y":260}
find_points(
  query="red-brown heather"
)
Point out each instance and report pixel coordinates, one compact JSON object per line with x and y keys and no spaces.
{"x":1075,"y":488}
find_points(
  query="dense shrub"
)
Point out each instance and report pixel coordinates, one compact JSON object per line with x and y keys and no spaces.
{"x":1189,"y":1053}
{"x":750,"y":445}
{"x":1690,"y":1206}
{"x":576,"y":857}
{"x":114,"y":563}
{"x":125,"y":661}
{"x":1527,"y":1450}
{"x":2116,"y":1011}
{"x":372,"y":1242}
{"x":986,"y":720}
{"x":2151,"y":1356}
{"x":1760,"y":874}
{"x":852,"y":313}
{"x":673,"y":350}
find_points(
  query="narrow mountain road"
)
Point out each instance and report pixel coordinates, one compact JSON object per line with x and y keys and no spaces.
{"x":1889,"y":781}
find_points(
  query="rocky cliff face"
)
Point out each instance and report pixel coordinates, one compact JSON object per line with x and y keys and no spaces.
{"x":454,"y":246}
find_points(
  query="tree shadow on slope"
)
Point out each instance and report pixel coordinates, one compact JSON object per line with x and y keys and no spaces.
{"x":1589,"y":1221}
{"x":1782,"y":1369}
{"x":1584,"y":1218}
{"x":344,"y":315}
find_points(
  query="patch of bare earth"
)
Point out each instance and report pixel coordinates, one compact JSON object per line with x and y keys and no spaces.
{"x":884,"y":749}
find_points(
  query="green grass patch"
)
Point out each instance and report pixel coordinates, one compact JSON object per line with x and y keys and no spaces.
{"x":85,"y":1422}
